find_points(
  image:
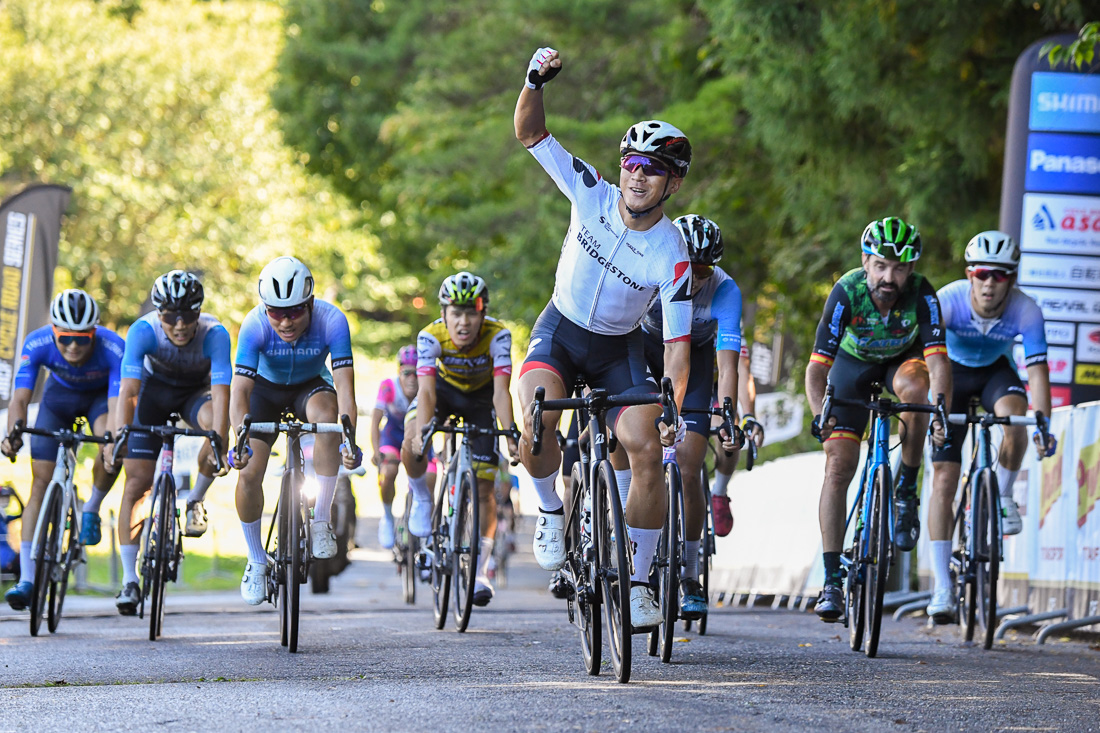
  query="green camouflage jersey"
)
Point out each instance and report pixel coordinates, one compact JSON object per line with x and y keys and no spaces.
{"x":852,"y":322}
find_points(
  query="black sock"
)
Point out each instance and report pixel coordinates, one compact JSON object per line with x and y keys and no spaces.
{"x":833,"y":575}
{"x":907,"y":482}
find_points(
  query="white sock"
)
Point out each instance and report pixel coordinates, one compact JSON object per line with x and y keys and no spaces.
{"x":483,"y":557}
{"x":691,"y":559}
{"x":941,"y":563}
{"x":255,"y":542}
{"x":549,"y":501}
{"x":92,"y":505}
{"x":721,"y":483}
{"x":326,"y":489}
{"x":622,"y":480}
{"x":419,"y":487}
{"x":387,"y":510}
{"x":1006,"y":479}
{"x":129,"y":555}
{"x":26,"y":562}
{"x":198,"y":491}
{"x":645,"y":544}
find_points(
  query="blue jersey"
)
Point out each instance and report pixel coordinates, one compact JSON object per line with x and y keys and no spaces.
{"x":976,"y":342}
{"x":101,"y":370}
{"x":716,"y":308}
{"x":260,"y":351}
{"x":204,"y":360}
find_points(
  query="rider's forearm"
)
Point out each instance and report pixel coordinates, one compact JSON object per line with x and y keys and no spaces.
{"x":530,"y":117}
{"x":1038,"y":380}
{"x":240,"y":394}
{"x":376,"y":430}
{"x":127,"y":392}
{"x":677,"y":367}
{"x":219,"y":401}
{"x":746,"y":386}
{"x":425,"y":402}
{"x":817,"y":377}
{"x":17,"y":408}
{"x":344,"y":381}
{"x":502,"y":401}
{"x":939,"y":378}
{"x":112,"y":410}
{"x":727,"y":376}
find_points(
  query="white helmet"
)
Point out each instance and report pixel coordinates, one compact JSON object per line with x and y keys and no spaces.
{"x":993,"y":248}
{"x":660,"y":140}
{"x":74,"y":310}
{"x":285,"y":282}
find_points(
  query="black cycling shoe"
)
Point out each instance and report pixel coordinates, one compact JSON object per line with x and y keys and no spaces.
{"x":558,"y":587}
{"x":906,"y":523}
{"x":128,"y":599}
{"x":830,"y":604}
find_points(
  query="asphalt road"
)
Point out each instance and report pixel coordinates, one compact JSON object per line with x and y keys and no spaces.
{"x":369,"y":662}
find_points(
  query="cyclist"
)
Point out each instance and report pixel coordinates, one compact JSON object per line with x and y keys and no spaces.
{"x":280,"y":365}
{"x":176,"y":361}
{"x":715,"y":330}
{"x":878,"y":322}
{"x":394,"y":396}
{"x":84,"y":362}
{"x":464,"y":367}
{"x":983,"y":315}
{"x":724,"y":465}
{"x":620,"y":252}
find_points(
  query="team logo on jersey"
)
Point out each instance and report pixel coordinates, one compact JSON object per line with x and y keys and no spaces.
{"x":586,"y":173}
{"x":683,"y":293}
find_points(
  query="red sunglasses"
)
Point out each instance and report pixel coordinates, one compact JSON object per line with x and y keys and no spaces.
{"x":984,"y":273}
{"x":649,"y":166}
{"x":293,"y":313}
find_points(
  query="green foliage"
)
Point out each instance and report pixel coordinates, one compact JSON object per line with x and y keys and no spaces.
{"x":1079,"y":54}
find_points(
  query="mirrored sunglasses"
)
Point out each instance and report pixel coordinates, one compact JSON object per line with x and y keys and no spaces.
{"x":649,"y":166}
{"x":292,"y":313}
{"x":65,"y":338}
{"x":984,"y":273}
{"x":701,"y":272}
{"x":174,"y":317}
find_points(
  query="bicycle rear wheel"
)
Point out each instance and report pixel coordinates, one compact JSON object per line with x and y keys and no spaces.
{"x":706,"y":551}
{"x":988,"y":567}
{"x":297,"y":571}
{"x":879,"y":566}
{"x":441,"y":555}
{"x":965,"y":578}
{"x":68,"y":558}
{"x":467,"y":545}
{"x":163,"y":519}
{"x":854,"y":587}
{"x":45,"y":543}
{"x":580,"y":557}
{"x":670,"y":573}
{"x":614,"y":572}
{"x":410,"y":546}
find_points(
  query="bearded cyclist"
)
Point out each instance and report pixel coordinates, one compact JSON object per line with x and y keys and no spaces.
{"x":983,"y":315}
{"x":620,"y":252}
{"x":881,"y":324}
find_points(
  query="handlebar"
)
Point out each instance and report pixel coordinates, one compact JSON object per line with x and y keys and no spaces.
{"x":465,"y":428}
{"x":66,"y":436}
{"x":886,"y":406}
{"x":729,"y":424}
{"x":291,"y":426}
{"x":987,"y":419}
{"x":165,"y":432}
{"x":597,"y":400}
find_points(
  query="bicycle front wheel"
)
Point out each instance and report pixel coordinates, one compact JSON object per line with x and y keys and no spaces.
{"x":614,"y":572}
{"x":467,"y":544}
{"x":440,"y":556}
{"x":670,"y":572}
{"x":878,"y":555}
{"x":45,"y":557}
{"x":580,"y":559}
{"x":297,"y":572}
{"x":706,"y":551}
{"x":164,"y":507}
{"x":989,"y":539}
{"x":68,"y":557}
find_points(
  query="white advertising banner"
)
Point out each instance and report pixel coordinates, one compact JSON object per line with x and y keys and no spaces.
{"x":1059,"y":271}
{"x":1085,"y":491}
{"x":1059,"y":362}
{"x":1079,"y":306}
{"x":1088,"y":343}
{"x":1065,"y":224}
{"x":1052,"y":497}
{"x":1061,"y":334}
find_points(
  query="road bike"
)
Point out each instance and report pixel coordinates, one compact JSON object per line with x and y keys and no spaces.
{"x":162,"y":538}
{"x":406,"y":550}
{"x":867,"y":561}
{"x":56,"y":546}
{"x":976,"y":558}
{"x":597,"y":566}
{"x":455,"y":541}
{"x":289,"y":536}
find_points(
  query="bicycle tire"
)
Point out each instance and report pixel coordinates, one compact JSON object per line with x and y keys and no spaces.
{"x":441,"y":578}
{"x":467,"y":547}
{"x":706,"y":552}
{"x":614,"y":570}
{"x":280,"y":570}
{"x":410,"y":547}
{"x":164,"y":509}
{"x":45,"y":539}
{"x":670,"y":573}
{"x":59,"y":584}
{"x":877,"y":571}
{"x":965,"y":583}
{"x":988,"y":569}
{"x":853,"y":595}
{"x":656,"y":578}
{"x":586,"y":592}
{"x":299,"y":559}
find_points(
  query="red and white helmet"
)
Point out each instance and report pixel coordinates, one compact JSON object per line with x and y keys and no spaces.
{"x":659,"y":140}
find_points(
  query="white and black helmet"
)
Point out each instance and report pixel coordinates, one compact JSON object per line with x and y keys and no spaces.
{"x":660,"y":140}
{"x":993,"y":248}
{"x":702,"y":237}
{"x":74,"y":310}
{"x":285,"y":282}
{"x":177,"y":291}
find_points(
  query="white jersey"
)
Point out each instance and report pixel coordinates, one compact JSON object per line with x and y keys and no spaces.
{"x":607,"y":274}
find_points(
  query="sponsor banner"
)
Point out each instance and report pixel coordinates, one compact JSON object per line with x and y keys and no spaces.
{"x":1060,"y":271}
{"x":1060,"y":396}
{"x":1056,"y":503}
{"x":1065,"y":102}
{"x":1088,"y":343}
{"x":1080,"y":306}
{"x":1061,"y":334}
{"x":1059,"y":362}
{"x":1063,"y":163}
{"x":781,"y":415}
{"x":1088,"y":374}
{"x":1066,"y":224}
{"x":1086,"y":483}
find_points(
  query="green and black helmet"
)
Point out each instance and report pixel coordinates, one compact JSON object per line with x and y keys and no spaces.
{"x":464,"y":288}
{"x":892,"y":239}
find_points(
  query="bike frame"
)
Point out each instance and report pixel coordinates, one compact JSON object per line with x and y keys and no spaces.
{"x":878,"y":454}
{"x":62,"y":480}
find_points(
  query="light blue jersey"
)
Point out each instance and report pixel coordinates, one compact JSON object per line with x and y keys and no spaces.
{"x":204,"y":360}
{"x":716,"y":308}
{"x":260,"y":351}
{"x":976,"y":342}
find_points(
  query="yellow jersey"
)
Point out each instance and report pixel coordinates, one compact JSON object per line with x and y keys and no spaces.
{"x":470,"y":370}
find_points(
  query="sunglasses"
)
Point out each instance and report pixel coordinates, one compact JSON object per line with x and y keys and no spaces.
{"x":408,"y":372}
{"x":65,"y":338}
{"x":984,"y":273}
{"x":174,"y":317}
{"x":649,"y":166}
{"x":292,"y":313}
{"x":702,"y":272}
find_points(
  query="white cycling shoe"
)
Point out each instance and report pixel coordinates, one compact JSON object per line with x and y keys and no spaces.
{"x":644,"y":611}
{"x":420,"y":516}
{"x":254,"y":583}
{"x":1011,"y":521}
{"x":943,"y":606}
{"x":549,"y":541}
{"x":324,"y":541}
{"x":385,"y":532}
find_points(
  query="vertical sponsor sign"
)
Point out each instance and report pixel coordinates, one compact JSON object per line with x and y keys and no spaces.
{"x":1050,"y":202}
{"x":1086,"y":578}
{"x":30,"y":227}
